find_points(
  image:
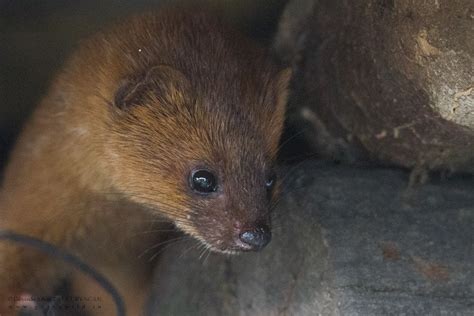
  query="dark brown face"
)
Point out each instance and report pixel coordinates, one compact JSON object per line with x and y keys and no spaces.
{"x":206,"y":164}
{"x":230,"y":201}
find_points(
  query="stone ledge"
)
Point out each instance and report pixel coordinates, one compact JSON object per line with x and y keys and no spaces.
{"x":346,"y":241}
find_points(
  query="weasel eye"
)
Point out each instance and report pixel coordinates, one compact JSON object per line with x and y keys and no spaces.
{"x":203,"y":181}
{"x":270,"y":182}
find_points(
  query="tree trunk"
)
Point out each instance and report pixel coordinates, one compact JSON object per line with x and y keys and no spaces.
{"x":384,"y":79}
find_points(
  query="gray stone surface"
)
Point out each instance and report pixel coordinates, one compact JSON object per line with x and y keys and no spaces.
{"x":347,"y":241}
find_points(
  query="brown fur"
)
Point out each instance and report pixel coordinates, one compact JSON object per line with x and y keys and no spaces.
{"x":110,"y":148}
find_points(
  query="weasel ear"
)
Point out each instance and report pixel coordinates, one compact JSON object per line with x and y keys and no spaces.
{"x":161,"y":83}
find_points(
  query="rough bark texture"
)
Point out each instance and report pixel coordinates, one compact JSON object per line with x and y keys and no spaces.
{"x":346,"y":241}
{"x":390,"y":80}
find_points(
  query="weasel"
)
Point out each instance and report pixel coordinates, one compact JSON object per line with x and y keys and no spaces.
{"x":170,"y":117}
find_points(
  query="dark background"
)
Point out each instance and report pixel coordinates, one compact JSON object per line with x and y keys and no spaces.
{"x":37,"y":36}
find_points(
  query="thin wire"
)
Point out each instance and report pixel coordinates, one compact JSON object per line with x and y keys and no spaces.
{"x":70,"y":259}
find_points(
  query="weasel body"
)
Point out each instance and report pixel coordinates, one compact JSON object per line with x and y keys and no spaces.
{"x":170,"y":117}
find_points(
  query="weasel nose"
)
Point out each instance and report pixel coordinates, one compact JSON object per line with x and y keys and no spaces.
{"x":257,"y":238}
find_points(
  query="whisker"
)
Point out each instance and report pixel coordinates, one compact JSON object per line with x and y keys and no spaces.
{"x":164,"y":248}
{"x":155,"y":231}
{"x":160,"y":244}
{"x":209,"y":251}
{"x":287,"y":140}
{"x":196,"y":244}
{"x":203,"y":251}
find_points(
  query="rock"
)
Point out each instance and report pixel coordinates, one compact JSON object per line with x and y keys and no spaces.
{"x":386,"y":80}
{"x":346,"y":241}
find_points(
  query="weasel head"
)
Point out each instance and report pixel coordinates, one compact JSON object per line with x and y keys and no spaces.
{"x":201,"y":151}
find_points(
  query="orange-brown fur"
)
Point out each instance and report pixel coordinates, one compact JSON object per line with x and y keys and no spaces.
{"x":106,"y":155}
